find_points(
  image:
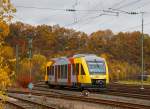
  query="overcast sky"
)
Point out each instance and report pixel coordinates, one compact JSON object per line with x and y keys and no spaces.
{"x":88,"y":18}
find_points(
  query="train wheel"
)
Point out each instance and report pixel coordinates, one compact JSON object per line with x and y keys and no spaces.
{"x":61,"y":87}
{"x":46,"y":82}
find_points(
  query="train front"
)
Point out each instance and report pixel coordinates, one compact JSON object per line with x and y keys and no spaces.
{"x":98,"y":72}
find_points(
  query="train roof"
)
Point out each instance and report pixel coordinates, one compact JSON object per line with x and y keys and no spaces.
{"x":61,"y":60}
{"x":83,"y":55}
{"x":87,"y":57}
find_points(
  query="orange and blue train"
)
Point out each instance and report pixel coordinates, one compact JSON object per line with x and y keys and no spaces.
{"x":83,"y":71}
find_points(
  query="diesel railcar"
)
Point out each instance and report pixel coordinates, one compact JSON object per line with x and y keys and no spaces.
{"x":83,"y":71}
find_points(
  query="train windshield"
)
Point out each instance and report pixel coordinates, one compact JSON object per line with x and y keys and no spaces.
{"x":96,"y":67}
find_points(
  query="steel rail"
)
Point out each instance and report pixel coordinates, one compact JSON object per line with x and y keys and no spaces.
{"x":45,"y":106}
{"x":92,"y":100}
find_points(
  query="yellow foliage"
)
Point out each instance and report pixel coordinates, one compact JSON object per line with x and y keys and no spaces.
{"x":3,"y":99}
{"x":4,"y":78}
{"x":24,"y":66}
{"x":4,"y":30}
{"x":122,"y":70}
{"x":105,"y":56}
{"x":39,"y":60}
{"x":7,"y":52}
{"x":4,"y":81}
{"x":6,"y":10}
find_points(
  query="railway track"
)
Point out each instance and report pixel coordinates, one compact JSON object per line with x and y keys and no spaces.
{"x":125,"y":94}
{"x":23,"y":103}
{"x":129,"y":89}
{"x":17,"y":105}
{"x":76,"y":96}
{"x":117,"y":91}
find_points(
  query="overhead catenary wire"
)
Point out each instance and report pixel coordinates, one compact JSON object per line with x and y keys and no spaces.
{"x":67,"y":9}
{"x":85,"y":16}
{"x":58,"y":9}
{"x":110,"y":11}
{"x":118,"y":3}
{"x":74,"y":23}
{"x":121,"y":4}
{"x":125,"y":12}
{"x":91,"y":18}
{"x":75,"y":14}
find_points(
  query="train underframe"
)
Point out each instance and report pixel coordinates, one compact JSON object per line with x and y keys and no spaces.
{"x":96,"y":84}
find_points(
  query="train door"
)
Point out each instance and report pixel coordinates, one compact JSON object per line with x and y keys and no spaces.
{"x":82,"y":75}
{"x":73,"y":74}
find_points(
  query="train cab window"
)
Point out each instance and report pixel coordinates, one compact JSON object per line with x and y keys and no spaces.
{"x":82,"y":70}
{"x":77,"y":69}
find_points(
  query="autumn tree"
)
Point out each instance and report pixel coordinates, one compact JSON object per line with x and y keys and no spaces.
{"x":98,"y":41}
{"x":126,"y":47}
{"x":6,"y":10}
{"x":37,"y":66}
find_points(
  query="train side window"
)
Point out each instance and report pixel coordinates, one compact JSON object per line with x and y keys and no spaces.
{"x":62,"y":71}
{"x":82,"y":70}
{"x":59,"y":70}
{"x":52,"y":70}
{"x":55,"y":68}
{"x":77,"y":69}
{"x":66,"y":71}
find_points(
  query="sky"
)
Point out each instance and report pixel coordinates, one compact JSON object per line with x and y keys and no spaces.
{"x":91,"y":15}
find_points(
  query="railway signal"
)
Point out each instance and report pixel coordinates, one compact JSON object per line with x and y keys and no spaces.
{"x":30,"y":85}
{"x":30,"y":47}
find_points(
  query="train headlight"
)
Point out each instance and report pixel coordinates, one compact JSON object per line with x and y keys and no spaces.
{"x":101,"y":83}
